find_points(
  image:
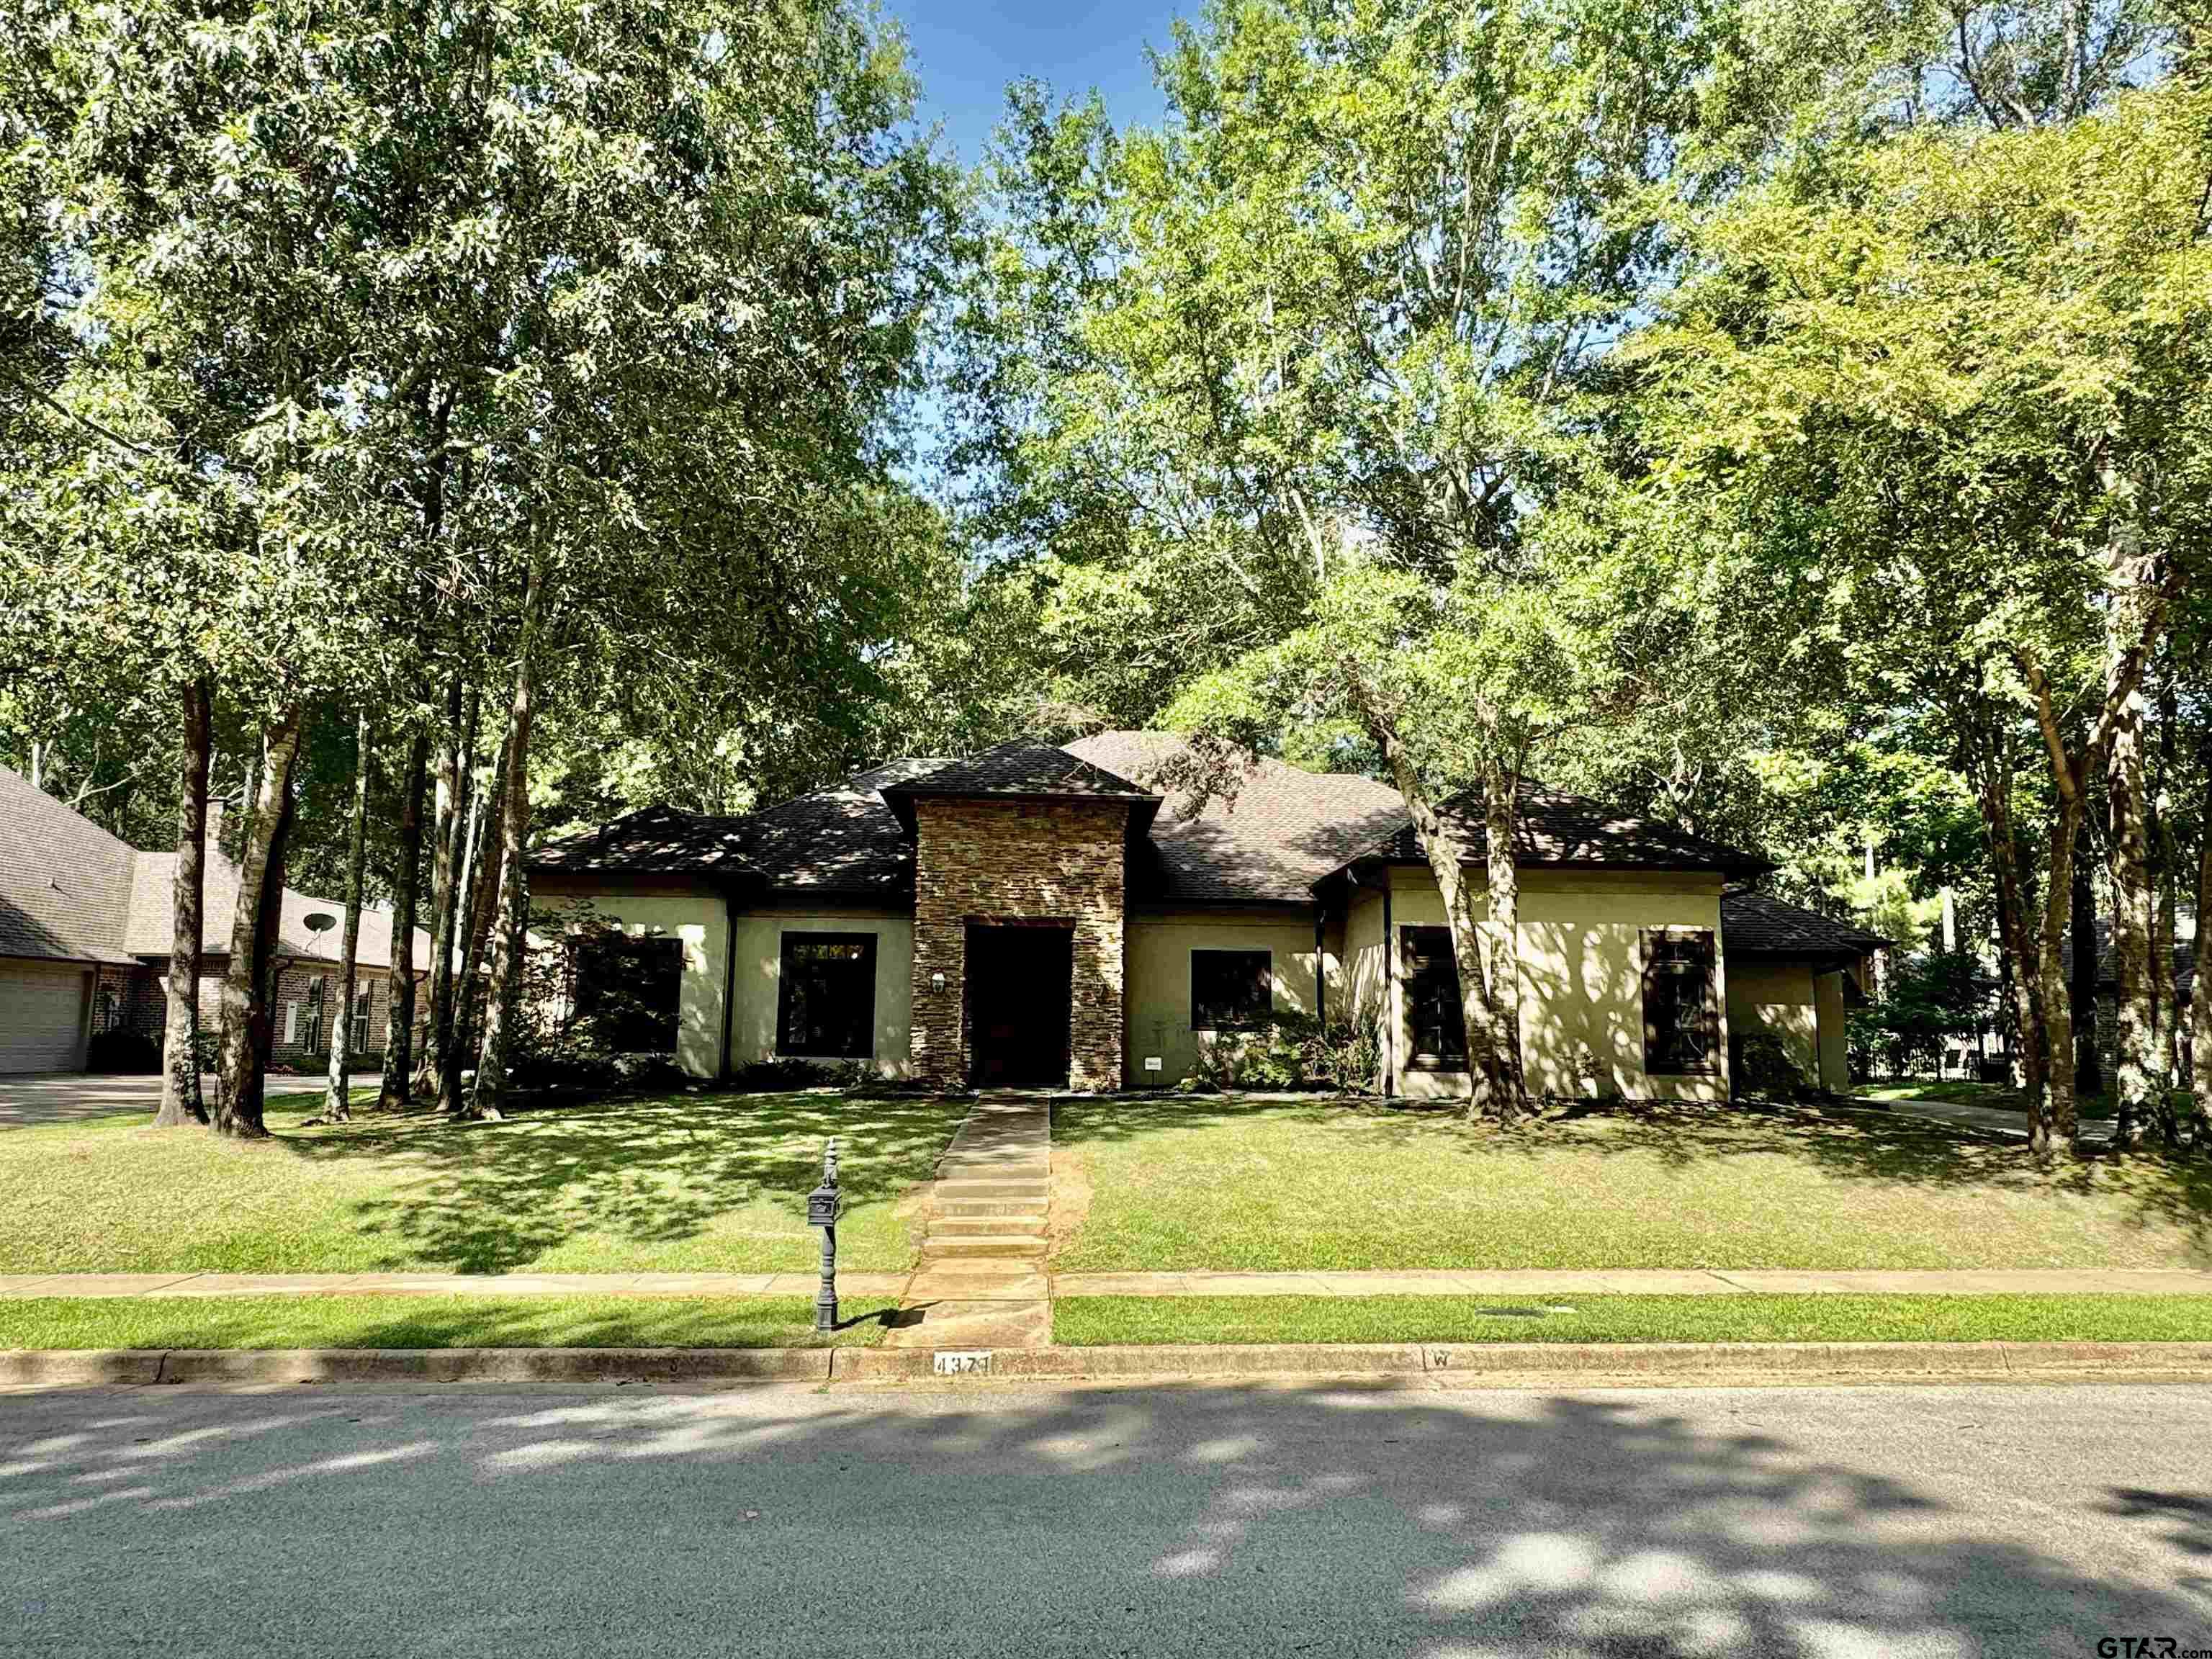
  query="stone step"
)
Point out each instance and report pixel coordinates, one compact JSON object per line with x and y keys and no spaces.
{"x":1007,"y":1169}
{"x":997,"y":1226}
{"x":1032,"y":1209}
{"x":1034,"y":1187}
{"x":938,"y":1246}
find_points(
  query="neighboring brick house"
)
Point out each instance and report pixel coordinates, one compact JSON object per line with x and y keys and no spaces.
{"x":2106,"y":1020}
{"x":85,"y":925}
{"x":1042,"y":917}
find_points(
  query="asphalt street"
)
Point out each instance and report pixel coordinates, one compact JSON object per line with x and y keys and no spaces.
{"x":1200,"y":1520}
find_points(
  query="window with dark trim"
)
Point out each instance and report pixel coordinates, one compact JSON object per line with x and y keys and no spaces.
{"x":1436,"y":1025}
{"x":826,"y":996}
{"x":311,"y":1024}
{"x":1681,"y":1004}
{"x":1230,"y":990}
{"x":630,"y":990}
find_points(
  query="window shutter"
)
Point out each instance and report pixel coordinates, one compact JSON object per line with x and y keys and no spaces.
{"x":291,"y":1023}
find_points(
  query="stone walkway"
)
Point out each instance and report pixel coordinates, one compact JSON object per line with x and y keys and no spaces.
{"x":981,"y":1282}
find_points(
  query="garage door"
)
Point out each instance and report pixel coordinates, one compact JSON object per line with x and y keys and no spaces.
{"x":41,"y":1017}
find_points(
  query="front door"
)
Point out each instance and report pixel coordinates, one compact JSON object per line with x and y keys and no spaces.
{"x":1018,"y":980}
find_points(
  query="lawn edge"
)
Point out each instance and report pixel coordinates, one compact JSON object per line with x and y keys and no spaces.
{"x":1504,"y":1364}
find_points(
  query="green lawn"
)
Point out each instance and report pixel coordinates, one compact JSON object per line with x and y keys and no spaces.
{"x":1184,"y":1183}
{"x":431,"y":1321}
{"x":688,"y":1182}
{"x":1104,"y":1320}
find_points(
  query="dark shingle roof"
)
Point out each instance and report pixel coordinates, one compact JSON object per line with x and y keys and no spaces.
{"x":1284,"y":829}
{"x":65,"y":881}
{"x":1758,"y":924}
{"x":1560,"y":828}
{"x":653,"y":839}
{"x":843,"y":839}
{"x":70,"y":890}
{"x":1023,"y":769}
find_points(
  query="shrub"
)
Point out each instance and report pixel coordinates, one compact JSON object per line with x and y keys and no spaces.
{"x":777,"y":1076}
{"x":1764,"y":1065}
{"x":122,"y":1050}
{"x":1291,"y":1051}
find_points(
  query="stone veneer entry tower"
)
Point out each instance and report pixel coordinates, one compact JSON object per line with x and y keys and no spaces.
{"x":1030,"y":838}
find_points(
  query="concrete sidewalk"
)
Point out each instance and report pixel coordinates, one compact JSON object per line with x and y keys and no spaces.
{"x":1519,"y":1283}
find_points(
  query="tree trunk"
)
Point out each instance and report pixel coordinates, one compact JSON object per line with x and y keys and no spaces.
{"x":502,"y":998}
{"x":1501,"y":803}
{"x":2057,"y":1005}
{"x":2200,"y":994}
{"x":268,"y":966}
{"x":2166,"y":876}
{"x":2088,"y":1067}
{"x":337,"y":1093}
{"x":2135,"y":1027}
{"x":477,"y":889}
{"x":1447,"y":855}
{"x":1991,"y":768}
{"x":406,"y":882}
{"x":456,"y":771}
{"x":245,"y":1004}
{"x":180,"y":1061}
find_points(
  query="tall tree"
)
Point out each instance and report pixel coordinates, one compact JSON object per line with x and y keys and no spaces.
{"x":337,"y":1094}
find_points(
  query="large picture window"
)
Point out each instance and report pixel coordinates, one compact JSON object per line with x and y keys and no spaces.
{"x":630,"y":990}
{"x":1681,"y":1004}
{"x":1436,"y":1023}
{"x":826,"y":996}
{"x":1230,"y":990}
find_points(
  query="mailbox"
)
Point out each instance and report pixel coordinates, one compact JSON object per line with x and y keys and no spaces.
{"x":824,"y":1205}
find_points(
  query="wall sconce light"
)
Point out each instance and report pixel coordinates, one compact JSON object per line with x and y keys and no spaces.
{"x":936,"y":981}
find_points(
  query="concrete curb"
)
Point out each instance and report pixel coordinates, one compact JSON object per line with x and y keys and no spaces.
{"x":1504,"y":1364}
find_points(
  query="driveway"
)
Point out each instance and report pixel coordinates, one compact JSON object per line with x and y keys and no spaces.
{"x":1994,"y":1119}
{"x":67,"y":1097}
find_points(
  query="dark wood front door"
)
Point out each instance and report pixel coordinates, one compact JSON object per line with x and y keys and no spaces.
{"x":1018,"y":979}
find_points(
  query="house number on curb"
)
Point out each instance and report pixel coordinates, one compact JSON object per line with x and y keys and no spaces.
{"x":948,"y":1362}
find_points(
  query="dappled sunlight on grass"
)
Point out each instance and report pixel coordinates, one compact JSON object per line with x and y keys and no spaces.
{"x":1186,"y":1183}
{"x":683,"y":1183}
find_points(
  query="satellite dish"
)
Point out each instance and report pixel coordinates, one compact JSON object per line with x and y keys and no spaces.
{"x":320,"y":921}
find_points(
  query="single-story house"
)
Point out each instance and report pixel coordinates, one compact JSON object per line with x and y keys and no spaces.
{"x":85,"y":925}
{"x":1038,"y":916}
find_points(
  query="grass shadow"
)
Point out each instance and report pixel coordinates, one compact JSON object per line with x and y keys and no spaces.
{"x":488,"y":1198}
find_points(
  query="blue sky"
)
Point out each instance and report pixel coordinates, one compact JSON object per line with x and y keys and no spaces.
{"x":966,"y":50}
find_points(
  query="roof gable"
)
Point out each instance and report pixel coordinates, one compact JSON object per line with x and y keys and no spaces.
{"x":65,"y":881}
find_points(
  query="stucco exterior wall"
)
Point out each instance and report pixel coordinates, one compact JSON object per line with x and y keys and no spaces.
{"x":1159,"y":999}
{"x":1582,"y":976}
{"x":1835,"y":1051}
{"x":760,"y":972}
{"x":1767,"y":996}
{"x":695,"y":916}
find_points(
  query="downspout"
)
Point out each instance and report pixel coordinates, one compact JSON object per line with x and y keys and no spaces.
{"x":1389,"y":993}
{"x":1321,"y":968}
{"x":729,"y":972}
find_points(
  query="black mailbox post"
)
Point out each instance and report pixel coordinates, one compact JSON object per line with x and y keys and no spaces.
{"x":824,"y":1205}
